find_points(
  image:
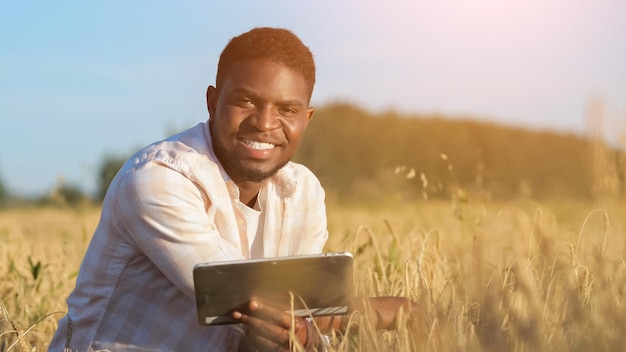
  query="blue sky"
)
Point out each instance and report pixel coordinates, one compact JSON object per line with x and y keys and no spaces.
{"x":80,"y":80}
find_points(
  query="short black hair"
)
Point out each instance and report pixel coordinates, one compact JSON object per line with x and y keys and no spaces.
{"x":278,"y":45}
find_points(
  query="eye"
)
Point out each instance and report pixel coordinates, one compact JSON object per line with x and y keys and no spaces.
{"x":243,"y":102}
{"x":287,"y":110}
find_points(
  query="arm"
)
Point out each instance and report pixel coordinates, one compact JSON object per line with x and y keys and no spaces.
{"x":384,"y":311}
{"x":165,"y":216}
{"x":272,"y":329}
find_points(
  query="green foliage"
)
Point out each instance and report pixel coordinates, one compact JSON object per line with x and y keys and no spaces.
{"x":35,"y":268}
{"x":69,"y":195}
{"x":362,"y":156}
{"x":108,"y":169}
{"x":4,"y":194}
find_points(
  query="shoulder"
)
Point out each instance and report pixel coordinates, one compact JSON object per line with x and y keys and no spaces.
{"x":182,"y":158}
{"x":183,"y":152}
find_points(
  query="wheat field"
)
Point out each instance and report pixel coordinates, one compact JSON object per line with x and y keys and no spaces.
{"x":487,"y":276}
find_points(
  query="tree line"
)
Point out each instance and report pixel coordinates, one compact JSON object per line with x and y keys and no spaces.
{"x":361,"y":156}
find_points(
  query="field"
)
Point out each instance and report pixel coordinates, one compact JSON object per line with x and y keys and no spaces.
{"x":487,"y":276}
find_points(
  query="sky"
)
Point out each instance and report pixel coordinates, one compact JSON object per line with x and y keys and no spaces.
{"x":81,"y":80}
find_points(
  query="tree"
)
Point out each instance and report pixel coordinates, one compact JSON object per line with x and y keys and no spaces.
{"x":108,"y":169}
{"x":4,"y":194}
{"x":67,"y":195}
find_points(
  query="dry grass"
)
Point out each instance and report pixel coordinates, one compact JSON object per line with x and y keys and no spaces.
{"x":40,"y":255}
{"x":487,"y":276}
{"x":494,"y":277}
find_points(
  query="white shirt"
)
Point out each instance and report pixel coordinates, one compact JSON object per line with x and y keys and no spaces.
{"x":172,"y":206}
{"x":255,"y":221}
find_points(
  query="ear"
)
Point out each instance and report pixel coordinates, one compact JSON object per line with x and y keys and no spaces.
{"x":211,"y":100}
{"x":309,"y":114}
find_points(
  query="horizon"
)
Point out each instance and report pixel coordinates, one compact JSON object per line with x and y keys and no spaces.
{"x":367,"y":113}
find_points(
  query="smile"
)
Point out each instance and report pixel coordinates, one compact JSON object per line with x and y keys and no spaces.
{"x":257,"y":145}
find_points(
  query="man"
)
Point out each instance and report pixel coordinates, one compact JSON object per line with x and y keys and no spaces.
{"x":222,"y":190}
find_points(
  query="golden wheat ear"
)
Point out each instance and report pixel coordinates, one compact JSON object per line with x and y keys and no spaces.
{"x":9,"y":334}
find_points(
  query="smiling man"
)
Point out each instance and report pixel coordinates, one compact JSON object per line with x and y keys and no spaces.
{"x":222,"y":190}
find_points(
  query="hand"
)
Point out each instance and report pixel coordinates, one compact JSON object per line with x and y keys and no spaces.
{"x":386,"y":310}
{"x":269,"y":327}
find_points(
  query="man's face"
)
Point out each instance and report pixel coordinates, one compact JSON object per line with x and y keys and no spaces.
{"x":258,"y":116}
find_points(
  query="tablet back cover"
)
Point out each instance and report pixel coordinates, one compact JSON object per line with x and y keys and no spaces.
{"x":321,"y":285}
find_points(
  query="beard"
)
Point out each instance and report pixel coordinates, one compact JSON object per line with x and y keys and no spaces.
{"x":242,"y":170}
{"x":248,"y":172}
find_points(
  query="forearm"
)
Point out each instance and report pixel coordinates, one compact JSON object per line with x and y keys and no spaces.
{"x":384,"y":312}
{"x":168,"y":224}
{"x":327,"y":325}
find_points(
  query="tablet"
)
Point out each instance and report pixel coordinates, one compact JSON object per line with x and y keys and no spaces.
{"x":319,"y":284}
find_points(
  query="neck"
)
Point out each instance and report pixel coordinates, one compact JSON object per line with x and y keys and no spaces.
{"x":248,"y":192}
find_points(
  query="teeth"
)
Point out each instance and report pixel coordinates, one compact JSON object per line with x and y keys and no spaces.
{"x":258,"y":145}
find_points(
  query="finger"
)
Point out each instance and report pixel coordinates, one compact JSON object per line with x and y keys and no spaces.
{"x":267,"y":330}
{"x":275,"y":333}
{"x":270,"y":313}
{"x":264,"y":344}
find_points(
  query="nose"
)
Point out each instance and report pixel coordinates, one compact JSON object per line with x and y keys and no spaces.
{"x":265,"y":118}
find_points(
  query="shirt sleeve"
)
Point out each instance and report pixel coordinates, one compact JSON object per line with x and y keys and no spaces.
{"x":165,"y":215}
